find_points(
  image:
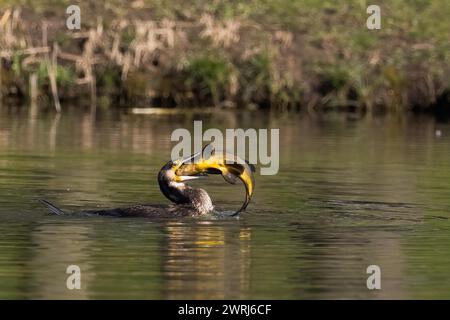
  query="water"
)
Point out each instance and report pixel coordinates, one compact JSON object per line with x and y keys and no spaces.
{"x":351,"y":192}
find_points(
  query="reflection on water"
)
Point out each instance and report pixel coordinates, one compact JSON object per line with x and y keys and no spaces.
{"x":350,"y":193}
{"x":209,"y":261}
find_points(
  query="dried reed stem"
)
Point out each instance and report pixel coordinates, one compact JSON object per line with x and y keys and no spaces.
{"x":51,"y":67}
{"x":33,"y":93}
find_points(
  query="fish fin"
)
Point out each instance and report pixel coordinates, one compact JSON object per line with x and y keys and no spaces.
{"x":208,"y":151}
{"x":252,"y":166}
{"x":229,"y":177}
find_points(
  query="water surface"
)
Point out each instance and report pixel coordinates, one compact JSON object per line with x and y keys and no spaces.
{"x":352,"y":191}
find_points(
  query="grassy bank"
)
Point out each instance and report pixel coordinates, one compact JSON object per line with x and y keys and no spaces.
{"x":282,"y":54}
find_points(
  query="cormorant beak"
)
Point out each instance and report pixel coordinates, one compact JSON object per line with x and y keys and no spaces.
{"x":187,"y":178}
{"x":186,"y":173}
{"x":230,"y":167}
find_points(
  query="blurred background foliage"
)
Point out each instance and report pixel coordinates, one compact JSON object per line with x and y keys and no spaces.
{"x":280,"y":54}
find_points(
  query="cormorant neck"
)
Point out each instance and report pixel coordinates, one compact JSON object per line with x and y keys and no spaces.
{"x":181,"y":193}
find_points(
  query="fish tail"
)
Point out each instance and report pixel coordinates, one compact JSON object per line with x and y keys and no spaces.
{"x":51,"y":207}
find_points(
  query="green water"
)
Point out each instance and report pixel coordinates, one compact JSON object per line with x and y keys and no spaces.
{"x":351,"y":192}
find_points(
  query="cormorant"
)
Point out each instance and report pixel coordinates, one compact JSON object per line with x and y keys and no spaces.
{"x":188,"y":201}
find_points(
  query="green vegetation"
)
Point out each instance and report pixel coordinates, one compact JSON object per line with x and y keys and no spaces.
{"x":279,"y":54}
{"x":209,"y":75}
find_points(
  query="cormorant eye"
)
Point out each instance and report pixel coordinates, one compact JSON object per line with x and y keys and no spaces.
{"x":176,"y":163}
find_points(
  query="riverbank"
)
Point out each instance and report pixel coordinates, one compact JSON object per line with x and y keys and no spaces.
{"x":280,"y":55}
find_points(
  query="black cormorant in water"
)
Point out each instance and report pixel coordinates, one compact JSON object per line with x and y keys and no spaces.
{"x":172,"y":180}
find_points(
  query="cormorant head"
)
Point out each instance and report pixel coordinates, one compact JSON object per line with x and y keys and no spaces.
{"x":208,"y":161}
{"x":172,"y":185}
